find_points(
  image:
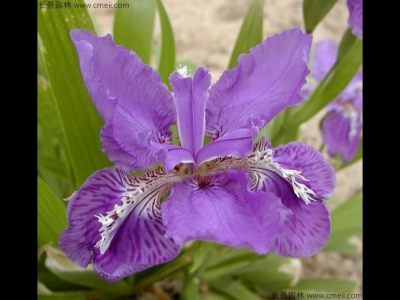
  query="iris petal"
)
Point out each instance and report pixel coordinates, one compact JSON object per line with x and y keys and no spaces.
{"x":325,"y":53}
{"x":301,"y":177}
{"x":265,"y":82}
{"x":190,"y":96}
{"x":130,"y":96}
{"x":238,"y":144}
{"x":220,"y":208}
{"x":115,"y":223}
{"x":356,"y":17}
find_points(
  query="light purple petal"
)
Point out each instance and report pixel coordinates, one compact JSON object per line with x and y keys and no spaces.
{"x":134,"y":239}
{"x":325,"y":52}
{"x":355,"y":20}
{"x":190,"y":96}
{"x":130,"y":96}
{"x":221,"y":209}
{"x":265,"y":82}
{"x":237,"y":144}
{"x":341,"y":134}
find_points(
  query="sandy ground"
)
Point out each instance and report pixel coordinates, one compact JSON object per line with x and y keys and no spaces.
{"x":205,"y":33}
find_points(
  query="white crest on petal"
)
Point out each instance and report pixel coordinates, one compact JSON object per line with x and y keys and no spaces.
{"x":142,"y":193}
{"x":351,"y":113}
{"x":262,"y":158}
{"x":183,"y":71}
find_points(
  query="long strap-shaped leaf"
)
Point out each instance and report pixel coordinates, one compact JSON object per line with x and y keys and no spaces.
{"x":167,"y":57}
{"x":250,"y":33}
{"x":79,"y":118}
{"x":51,"y":215}
{"x":314,"y":11}
{"x":134,"y":26}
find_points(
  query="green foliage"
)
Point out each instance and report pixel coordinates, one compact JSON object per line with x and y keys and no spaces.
{"x":250,"y":33}
{"x":133,"y":27}
{"x":314,"y":11}
{"x":346,"y":223}
{"x":51,"y":215}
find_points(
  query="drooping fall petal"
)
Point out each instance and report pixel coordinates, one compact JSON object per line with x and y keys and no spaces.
{"x":115,"y":223}
{"x":220,"y":208}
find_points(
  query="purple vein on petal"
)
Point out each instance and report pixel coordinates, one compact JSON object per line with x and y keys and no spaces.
{"x":115,"y":223}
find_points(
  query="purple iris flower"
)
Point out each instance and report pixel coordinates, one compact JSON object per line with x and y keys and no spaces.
{"x":355,"y":20}
{"x":228,"y":191}
{"x":342,"y":125}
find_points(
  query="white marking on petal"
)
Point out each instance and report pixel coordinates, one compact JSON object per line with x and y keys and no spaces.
{"x":351,"y":113}
{"x":183,"y":71}
{"x":262,"y":158}
{"x":140,"y":191}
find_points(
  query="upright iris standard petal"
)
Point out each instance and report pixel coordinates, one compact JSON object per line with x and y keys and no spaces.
{"x":115,"y":223}
{"x":265,"y":82}
{"x":137,"y":107}
{"x":356,"y":17}
{"x":301,"y":177}
{"x":219,"y":208}
{"x":190,"y":96}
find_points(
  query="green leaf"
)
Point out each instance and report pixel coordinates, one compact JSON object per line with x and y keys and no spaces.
{"x":134,"y":26}
{"x":270,"y":273}
{"x":250,"y":33}
{"x":51,"y":215}
{"x":347,"y":41}
{"x":314,"y":11}
{"x":227,"y":261}
{"x":52,"y":164}
{"x":190,"y":291}
{"x":234,"y":289}
{"x":40,"y":64}
{"x":319,"y":288}
{"x":329,"y":88}
{"x":213,"y":295}
{"x":65,"y":296}
{"x":167,"y":56}
{"x":62,"y":267}
{"x":79,"y":119}
{"x":346,"y":220}
{"x":202,"y":255}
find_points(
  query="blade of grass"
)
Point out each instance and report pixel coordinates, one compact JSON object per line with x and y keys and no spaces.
{"x":250,"y":33}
